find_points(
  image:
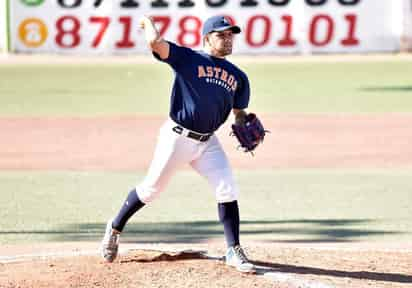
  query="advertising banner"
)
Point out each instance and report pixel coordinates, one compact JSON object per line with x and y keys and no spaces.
{"x":3,"y":27}
{"x":269,"y":26}
{"x":407,"y":26}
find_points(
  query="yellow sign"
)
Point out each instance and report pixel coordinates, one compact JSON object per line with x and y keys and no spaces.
{"x":33,"y":32}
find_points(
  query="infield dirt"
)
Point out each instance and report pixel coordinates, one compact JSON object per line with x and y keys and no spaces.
{"x":127,"y":143}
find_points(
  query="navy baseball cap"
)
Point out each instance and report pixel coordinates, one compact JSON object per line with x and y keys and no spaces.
{"x":218,"y":23}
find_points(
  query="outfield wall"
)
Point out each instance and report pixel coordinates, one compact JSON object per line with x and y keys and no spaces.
{"x":269,"y":26}
{"x":3,"y":30}
{"x":406,"y":43}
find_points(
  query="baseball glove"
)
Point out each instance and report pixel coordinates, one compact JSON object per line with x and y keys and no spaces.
{"x":250,"y":133}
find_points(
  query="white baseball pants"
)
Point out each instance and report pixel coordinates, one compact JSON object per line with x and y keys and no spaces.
{"x":173,"y":150}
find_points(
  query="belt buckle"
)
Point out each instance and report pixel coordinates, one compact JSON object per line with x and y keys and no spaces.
{"x":178,"y":129}
{"x":204,"y":138}
{"x":196,"y":136}
{"x":199,"y":137}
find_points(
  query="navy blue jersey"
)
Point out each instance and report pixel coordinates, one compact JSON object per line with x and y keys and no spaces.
{"x":205,"y":89}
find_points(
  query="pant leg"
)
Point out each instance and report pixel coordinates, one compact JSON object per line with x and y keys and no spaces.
{"x":171,"y":152}
{"x":214,"y":165}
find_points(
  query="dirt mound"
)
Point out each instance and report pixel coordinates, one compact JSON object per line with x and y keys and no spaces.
{"x":278,"y":265}
{"x":155,"y":255}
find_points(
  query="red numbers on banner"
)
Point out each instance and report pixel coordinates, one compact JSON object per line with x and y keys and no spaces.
{"x":321,"y":31}
{"x":125,"y":42}
{"x":104,"y":23}
{"x":351,"y":39}
{"x":189,"y":28}
{"x":314,"y":37}
{"x":266,"y":27}
{"x":164,"y":22}
{"x":287,"y":37}
{"x":251,"y":31}
{"x":316,"y":40}
{"x":258,"y":30}
{"x":68,"y":28}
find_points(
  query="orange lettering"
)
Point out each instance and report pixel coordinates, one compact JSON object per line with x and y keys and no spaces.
{"x":223,"y":76}
{"x":201,"y":71}
{"x":209,"y":71}
{"x":217,"y":71}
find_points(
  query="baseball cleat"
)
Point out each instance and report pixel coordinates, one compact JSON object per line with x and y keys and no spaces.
{"x":110,"y":243}
{"x":236,"y":257}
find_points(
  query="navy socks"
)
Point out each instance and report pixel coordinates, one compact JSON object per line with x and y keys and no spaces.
{"x":130,"y":206}
{"x":229,"y":217}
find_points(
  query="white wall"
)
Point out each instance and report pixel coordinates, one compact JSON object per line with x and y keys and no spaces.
{"x":3,"y":34}
{"x":407,"y":26}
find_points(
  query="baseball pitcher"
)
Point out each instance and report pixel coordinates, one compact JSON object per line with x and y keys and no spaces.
{"x":206,"y":89}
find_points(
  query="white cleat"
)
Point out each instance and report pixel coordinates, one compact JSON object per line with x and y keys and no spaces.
{"x":110,"y":243}
{"x":236,"y":257}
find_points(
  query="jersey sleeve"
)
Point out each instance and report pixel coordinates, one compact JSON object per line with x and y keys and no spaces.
{"x":177,"y":54}
{"x":242,"y":94}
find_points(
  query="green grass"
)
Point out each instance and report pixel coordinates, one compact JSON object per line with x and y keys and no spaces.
{"x":117,"y":89}
{"x":333,"y":87}
{"x":293,"y":205}
{"x":84,"y":90}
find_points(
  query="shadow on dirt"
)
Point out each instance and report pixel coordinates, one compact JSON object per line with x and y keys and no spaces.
{"x":265,"y":267}
{"x":294,"y":230}
{"x":144,"y":256}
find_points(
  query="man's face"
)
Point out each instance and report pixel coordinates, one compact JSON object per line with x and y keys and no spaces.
{"x":221,"y":42}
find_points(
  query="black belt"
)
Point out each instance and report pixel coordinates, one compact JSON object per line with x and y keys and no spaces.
{"x":191,"y":134}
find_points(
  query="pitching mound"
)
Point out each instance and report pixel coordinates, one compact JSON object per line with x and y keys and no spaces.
{"x":278,"y":265}
{"x":155,"y":255}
